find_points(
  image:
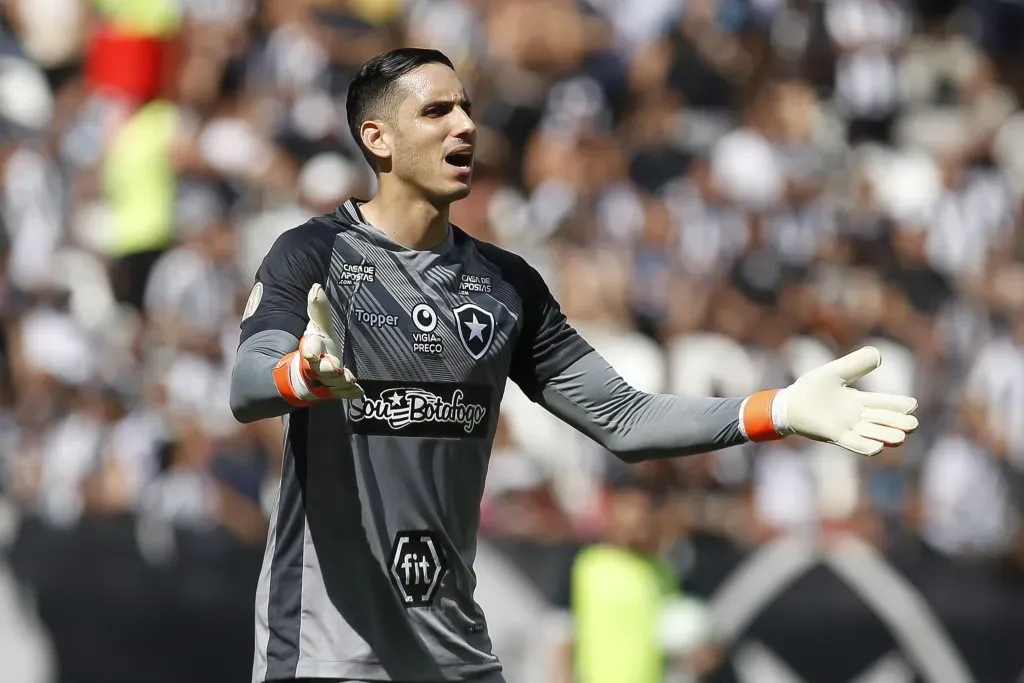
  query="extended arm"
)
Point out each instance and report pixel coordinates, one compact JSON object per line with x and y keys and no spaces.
{"x":556,"y":368}
{"x":636,"y":426}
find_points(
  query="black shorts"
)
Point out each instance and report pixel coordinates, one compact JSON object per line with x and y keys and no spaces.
{"x":129,"y":275}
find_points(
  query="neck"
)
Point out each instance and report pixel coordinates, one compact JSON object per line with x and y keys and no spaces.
{"x":407,"y":218}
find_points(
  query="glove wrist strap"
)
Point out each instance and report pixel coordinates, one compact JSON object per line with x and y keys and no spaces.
{"x":780,"y":413}
{"x":758,"y":416}
{"x":292,"y":376}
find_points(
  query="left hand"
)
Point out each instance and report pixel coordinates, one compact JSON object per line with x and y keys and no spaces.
{"x":821,"y":405}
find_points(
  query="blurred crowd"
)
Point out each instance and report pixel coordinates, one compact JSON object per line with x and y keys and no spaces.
{"x":721,"y":193}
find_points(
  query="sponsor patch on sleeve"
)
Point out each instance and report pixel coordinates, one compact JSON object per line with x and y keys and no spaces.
{"x":255,"y":296}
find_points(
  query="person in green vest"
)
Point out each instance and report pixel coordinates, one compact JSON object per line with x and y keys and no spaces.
{"x":139,"y":183}
{"x":144,"y":17}
{"x":138,"y":171}
{"x":623,"y":596}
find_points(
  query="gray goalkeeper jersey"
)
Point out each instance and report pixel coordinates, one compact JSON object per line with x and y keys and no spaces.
{"x":368,"y":570}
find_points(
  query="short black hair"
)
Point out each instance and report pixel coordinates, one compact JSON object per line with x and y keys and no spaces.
{"x":371,"y":94}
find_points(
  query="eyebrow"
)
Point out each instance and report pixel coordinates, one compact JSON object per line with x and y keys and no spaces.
{"x":461,"y":100}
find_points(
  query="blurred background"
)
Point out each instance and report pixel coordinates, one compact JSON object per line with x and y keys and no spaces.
{"x":721,"y":193}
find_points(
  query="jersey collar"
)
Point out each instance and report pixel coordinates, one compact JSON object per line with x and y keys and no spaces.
{"x":350,"y":213}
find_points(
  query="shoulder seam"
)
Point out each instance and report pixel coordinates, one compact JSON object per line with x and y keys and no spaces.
{"x":485,"y":257}
{"x":330,"y":222}
{"x":319,"y":225}
{"x":481,"y":247}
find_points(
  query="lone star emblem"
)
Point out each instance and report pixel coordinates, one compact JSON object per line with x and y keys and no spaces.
{"x":476,"y":329}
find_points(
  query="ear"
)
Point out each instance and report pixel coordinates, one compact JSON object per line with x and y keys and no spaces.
{"x":375,"y":138}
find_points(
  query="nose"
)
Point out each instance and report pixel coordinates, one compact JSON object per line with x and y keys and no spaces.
{"x":463,"y":126}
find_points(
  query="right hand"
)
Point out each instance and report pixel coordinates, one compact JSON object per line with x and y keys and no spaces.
{"x":315,"y":372}
{"x":322,"y":352}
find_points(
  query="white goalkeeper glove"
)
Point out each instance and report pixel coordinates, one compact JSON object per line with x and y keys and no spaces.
{"x":821,"y":406}
{"x":315,"y":372}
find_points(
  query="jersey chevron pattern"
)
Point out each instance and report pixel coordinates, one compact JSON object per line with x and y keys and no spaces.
{"x":368,"y":567}
{"x":435,"y":287}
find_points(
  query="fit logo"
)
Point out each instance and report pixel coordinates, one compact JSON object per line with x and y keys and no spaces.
{"x":417,"y":567}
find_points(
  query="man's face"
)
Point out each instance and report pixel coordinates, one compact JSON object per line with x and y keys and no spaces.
{"x":633,"y":521}
{"x":434,"y":136}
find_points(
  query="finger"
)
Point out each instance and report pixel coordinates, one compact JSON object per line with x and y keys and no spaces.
{"x":311,"y":347}
{"x":893,"y":402}
{"x":330,"y":366}
{"x":337,"y":384}
{"x":342,"y":388}
{"x":853,"y":366}
{"x":318,"y":308}
{"x":876,"y":432}
{"x":333,"y":375}
{"x":328,"y":379}
{"x":890,"y":418}
{"x":350,"y":391}
{"x":861,"y":445}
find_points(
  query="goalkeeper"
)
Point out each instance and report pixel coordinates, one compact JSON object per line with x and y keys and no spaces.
{"x":384,"y":336}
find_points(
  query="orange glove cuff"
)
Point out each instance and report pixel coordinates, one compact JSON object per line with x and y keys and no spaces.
{"x":294,"y":379}
{"x":757,"y":417}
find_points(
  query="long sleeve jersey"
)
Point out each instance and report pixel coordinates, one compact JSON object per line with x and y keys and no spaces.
{"x":368,"y":569}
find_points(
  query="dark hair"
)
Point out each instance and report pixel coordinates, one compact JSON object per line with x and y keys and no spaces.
{"x":371,"y":93}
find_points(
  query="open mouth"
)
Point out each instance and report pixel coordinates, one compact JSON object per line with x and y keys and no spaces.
{"x":462,"y":159}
